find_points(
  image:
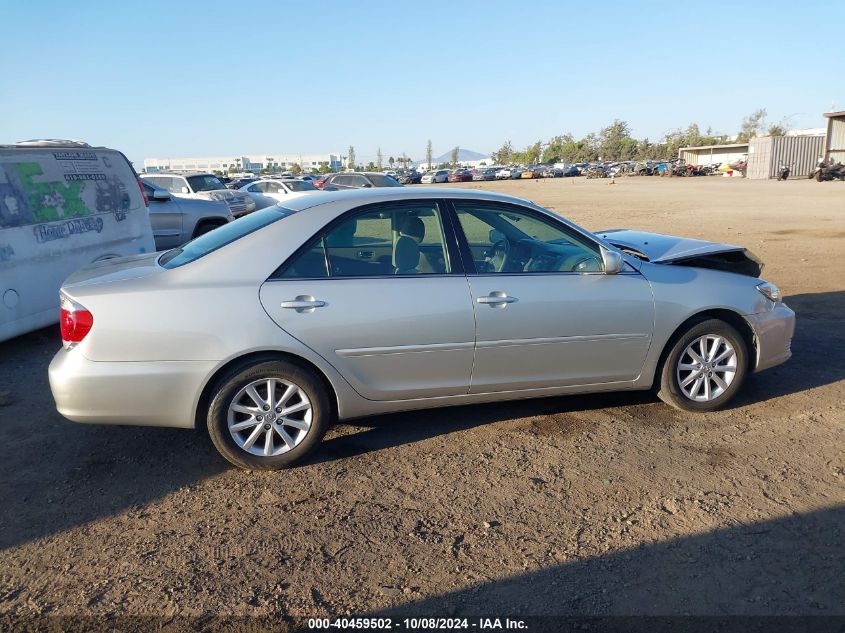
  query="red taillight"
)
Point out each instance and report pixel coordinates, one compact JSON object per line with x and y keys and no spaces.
{"x":143,"y":191}
{"x":74,"y":321}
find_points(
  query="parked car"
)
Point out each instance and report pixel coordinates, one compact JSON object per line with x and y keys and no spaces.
{"x":63,"y":205}
{"x":436,"y":176}
{"x":484,"y":174}
{"x":532,"y":172}
{"x":355,"y":303}
{"x":312,"y":178}
{"x":176,"y":220}
{"x":506,"y":173}
{"x":203,"y":187}
{"x":571,"y":172}
{"x":358,"y":180}
{"x":237,"y":183}
{"x":459,"y":175}
{"x":267,"y":192}
{"x":410,"y":178}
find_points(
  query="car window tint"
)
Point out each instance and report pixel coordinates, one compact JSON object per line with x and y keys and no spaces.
{"x":391,"y":240}
{"x":297,"y":185}
{"x":310,"y":263}
{"x":506,"y":240}
{"x":254,"y":188}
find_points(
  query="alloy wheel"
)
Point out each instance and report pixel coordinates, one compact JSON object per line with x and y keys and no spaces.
{"x":706,"y":368}
{"x":269,"y":417}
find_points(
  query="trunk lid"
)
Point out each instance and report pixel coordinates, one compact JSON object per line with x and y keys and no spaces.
{"x":113,"y":270}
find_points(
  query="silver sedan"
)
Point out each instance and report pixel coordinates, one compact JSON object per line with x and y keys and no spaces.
{"x":348,"y":304}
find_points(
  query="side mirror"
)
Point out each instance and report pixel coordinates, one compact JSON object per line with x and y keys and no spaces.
{"x":612,"y":261}
{"x":161,"y":195}
{"x":185,"y":190}
{"x":366,"y":185}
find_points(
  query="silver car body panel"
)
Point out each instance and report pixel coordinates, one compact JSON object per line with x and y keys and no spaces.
{"x":174,"y":220}
{"x":563,"y":329}
{"x":385,"y":344}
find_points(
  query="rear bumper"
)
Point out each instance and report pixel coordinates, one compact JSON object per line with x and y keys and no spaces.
{"x":773,"y":331}
{"x":162,"y":393}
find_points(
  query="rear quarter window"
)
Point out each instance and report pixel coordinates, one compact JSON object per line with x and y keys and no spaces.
{"x":222,"y":236}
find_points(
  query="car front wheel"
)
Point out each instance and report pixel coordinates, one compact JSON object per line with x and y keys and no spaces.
{"x":704,"y":368}
{"x":268,"y":416}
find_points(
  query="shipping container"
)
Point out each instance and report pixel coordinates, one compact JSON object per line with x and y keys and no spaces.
{"x":835,"y":143}
{"x":766,"y":154}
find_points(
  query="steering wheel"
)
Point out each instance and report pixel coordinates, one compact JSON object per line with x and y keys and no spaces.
{"x":497,"y":254}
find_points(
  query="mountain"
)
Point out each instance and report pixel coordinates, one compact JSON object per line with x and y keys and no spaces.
{"x":463,"y":154}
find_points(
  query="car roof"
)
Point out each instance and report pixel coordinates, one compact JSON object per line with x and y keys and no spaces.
{"x":385,"y":194}
{"x":173,"y":173}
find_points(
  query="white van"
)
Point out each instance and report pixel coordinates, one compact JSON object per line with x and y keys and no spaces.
{"x":63,"y":205}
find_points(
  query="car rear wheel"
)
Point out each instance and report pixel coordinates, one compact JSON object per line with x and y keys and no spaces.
{"x":268,"y":416}
{"x":704,"y":368}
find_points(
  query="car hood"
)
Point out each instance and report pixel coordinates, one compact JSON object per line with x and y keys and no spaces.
{"x":661,"y":248}
{"x":669,"y":249}
{"x":222,"y":194}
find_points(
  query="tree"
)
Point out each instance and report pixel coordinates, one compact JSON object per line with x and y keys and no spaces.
{"x":295,"y":169}
{"x":455,"y":151}
{"x":390,"y":161}
{"x":324,"y":167}
{"x":371,"y":166}
{"x":778,"y":129}
{"x":532,"y":153}
{"x":616,"y":143}
{"x":404,"y":160}
{"x":428,"y":154}
{"x":379,"y":159}
{"x":350,"y":159}
{"x":503,"y":155}
{"x":751,"y":126}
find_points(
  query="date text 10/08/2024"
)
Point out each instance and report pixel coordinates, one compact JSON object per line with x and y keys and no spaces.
{"x":389,"y":624}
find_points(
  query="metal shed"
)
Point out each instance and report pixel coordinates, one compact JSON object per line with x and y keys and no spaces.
{"x":834,"y":147}
{"x":710,"y":154}
{"x":767,"y":153}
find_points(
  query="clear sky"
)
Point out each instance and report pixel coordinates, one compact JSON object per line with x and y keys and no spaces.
{"x":186,"y":78}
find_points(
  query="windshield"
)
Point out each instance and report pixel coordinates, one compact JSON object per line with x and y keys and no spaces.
{"x":205,"y":183}
{"x":383,"y":181}
{"x":300,"y":185}
{"x":221,"y":236}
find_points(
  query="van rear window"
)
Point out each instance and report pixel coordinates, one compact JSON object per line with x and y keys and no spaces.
{"x":221,"y":236}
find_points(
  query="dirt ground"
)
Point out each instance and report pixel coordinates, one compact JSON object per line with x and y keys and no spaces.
{"x":599,"y":505}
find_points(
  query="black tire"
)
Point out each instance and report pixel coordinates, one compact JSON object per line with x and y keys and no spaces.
{"x":670,"y":390}
{"x":229,"y":386}
{"x":205,"y":227}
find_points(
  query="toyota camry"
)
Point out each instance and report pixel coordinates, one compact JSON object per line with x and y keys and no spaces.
{"x":271,"y":328}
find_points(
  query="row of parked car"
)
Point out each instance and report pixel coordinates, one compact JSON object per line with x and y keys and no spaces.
{"x":205,"y":201}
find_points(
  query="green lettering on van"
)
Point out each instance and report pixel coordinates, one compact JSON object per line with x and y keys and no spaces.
{"x":51,"y":201}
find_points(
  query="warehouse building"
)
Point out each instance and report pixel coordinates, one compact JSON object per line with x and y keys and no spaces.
{"x":714,"y":154}
{"x":274,"y":161}
{"x":834,"y":146}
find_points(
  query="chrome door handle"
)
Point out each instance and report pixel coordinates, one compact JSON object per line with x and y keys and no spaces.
{"x":303,"y":303}
{"x":497,"y":298}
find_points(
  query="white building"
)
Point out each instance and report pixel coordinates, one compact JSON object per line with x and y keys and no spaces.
{"x":276,"y":161}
